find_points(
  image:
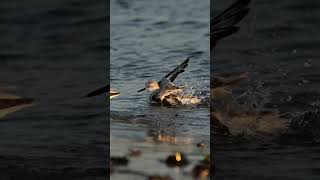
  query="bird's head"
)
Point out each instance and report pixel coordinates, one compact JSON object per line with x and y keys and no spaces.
{"x":152,"y":85}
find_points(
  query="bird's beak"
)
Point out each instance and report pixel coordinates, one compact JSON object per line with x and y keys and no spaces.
{"x":141,"y":90}
{"x":113,"y":94}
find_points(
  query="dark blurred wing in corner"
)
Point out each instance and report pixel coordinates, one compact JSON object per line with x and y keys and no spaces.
{"x":224,"y":24}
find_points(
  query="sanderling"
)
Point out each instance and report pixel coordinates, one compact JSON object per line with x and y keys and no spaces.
{"x":166,"y":93}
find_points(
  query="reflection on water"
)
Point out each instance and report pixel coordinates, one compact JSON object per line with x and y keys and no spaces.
{"x":179,"y":140}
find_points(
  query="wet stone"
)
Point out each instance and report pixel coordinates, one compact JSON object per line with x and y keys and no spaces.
{"x":177,"y":160}
{"x":201,"y":171}
{"x":201,"y":145}
{"x":119,"y":161}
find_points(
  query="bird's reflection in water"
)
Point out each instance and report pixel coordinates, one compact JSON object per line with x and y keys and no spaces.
{"x":248,"y":118}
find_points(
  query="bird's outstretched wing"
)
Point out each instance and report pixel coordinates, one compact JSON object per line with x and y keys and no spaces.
{"x":224,"y":24}
{"x":172,"y":75}
{"x":99,"y":91}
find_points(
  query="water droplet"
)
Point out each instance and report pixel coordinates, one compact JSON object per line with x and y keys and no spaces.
{"x":307,"y":65}
{"x":304,"y":81}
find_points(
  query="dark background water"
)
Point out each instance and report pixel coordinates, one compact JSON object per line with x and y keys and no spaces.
{"x":278,"y":44}
{"x":54,"y":52}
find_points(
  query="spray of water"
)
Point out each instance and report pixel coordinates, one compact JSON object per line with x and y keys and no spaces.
{"x":246,"y":114}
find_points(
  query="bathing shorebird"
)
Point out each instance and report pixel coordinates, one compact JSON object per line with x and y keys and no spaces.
{"x":166,"y":93}
{"x":10,"y":103}
{"x":106,"y":89}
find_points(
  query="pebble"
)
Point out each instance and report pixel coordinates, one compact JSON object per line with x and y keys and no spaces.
{"x":119,"y":161}
{"x":177,"y":160}
{"x":201,"y":171}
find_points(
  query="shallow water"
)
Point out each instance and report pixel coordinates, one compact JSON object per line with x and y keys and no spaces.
{"x":148,"y":39}
{"x":53,"y":52}
{"x":279,"y":49}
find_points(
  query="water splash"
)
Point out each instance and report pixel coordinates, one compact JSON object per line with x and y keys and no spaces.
{"x":246,"y":115}
{"x":198,"y":89}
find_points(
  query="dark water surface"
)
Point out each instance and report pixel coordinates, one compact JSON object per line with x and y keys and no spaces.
{"x":54,"y":52}
{"x":278,"y":44}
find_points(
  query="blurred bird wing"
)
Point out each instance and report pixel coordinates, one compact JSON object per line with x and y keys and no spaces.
{"x":224,"y":23}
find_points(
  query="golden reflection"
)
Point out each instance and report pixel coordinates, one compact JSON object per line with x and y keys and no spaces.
{"x":159,"y":137}
{"x":178,"y":156}
{"x":204,"y":173}
{"x":177,"y":160}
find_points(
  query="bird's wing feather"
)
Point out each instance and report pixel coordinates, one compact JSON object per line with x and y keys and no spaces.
{"x":166,"y":84}
{"x":172,"y":75}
